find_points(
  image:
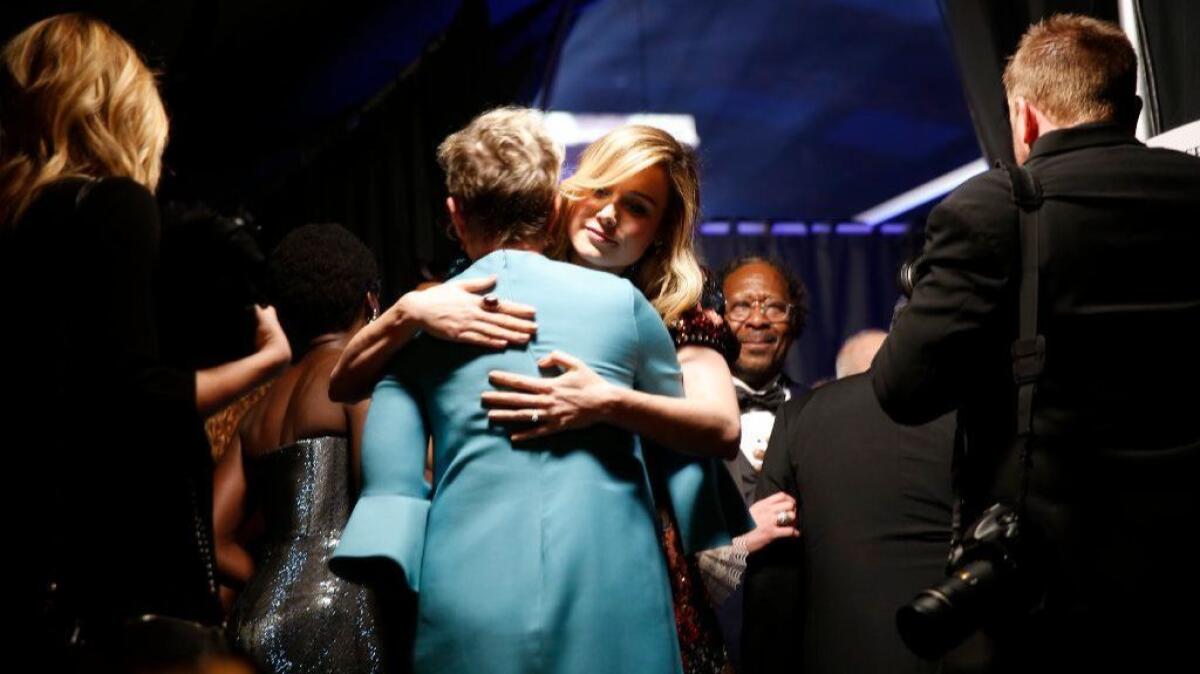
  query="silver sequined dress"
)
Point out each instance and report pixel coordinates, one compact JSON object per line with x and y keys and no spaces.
{"x":294,"y":615}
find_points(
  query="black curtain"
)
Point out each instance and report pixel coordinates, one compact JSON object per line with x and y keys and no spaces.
{"x":378,"y":174}
{"x":1171,"y":61}
{"x":983,"y":34}
{"x":851,"y":281}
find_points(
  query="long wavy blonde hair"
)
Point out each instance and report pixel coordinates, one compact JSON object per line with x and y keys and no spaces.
{"x":78,"y":101}
{"x":668,"y":273}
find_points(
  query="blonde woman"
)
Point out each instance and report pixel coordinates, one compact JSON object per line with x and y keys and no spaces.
{"x":631,"y":210}
{"x":539,"y":557}
{"x":112,"y":462}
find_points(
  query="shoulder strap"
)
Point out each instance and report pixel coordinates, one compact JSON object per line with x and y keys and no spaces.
{"x":1029,"y":349}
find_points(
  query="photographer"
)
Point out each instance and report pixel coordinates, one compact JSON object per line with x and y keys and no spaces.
{"x":1109,"y":480}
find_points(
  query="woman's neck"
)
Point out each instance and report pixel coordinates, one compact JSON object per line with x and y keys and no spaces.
{"x":329,"y":340}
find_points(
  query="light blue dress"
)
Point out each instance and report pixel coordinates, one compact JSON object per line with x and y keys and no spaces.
{"x":542,"y":557}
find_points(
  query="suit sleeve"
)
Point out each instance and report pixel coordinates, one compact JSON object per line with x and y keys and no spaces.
{"x":386,"y":531}
{"x":933,"y":352}
{"x":778,"y":470}
{"x":772,"y":619}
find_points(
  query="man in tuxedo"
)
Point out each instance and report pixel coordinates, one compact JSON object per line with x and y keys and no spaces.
{"x":766,"y":306}
{"x":1115,"y":452}
{"x":873,"y":504}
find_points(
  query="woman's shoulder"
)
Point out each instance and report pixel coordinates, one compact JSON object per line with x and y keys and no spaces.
{"x":89,"y":192}
{"x":121,"y":209}
{"x":118,"y":207}
{"x":55,"y":200}
{"x":704,"y":324}
{"x":704,"y":327}
{"x":294,"y":406}
{"x":117,"y":194}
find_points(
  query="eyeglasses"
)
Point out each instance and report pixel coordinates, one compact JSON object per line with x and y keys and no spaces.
{"x":774,"y":310}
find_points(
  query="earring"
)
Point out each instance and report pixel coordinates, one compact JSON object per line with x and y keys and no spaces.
{"x":372,"y":305}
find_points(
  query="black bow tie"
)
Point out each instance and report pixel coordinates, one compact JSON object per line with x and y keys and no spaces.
{"x":769,"y":399}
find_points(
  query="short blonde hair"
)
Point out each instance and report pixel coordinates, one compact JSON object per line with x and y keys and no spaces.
{"x":1075,"y":69}
{"x":502,"y":170}
{"x":78,"y":101}
{"x":668,"y":274}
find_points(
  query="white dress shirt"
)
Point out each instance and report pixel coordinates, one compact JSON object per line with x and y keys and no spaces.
{"x":757,"y":425}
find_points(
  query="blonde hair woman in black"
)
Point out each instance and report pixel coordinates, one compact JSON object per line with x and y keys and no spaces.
{"x":109,"y":454}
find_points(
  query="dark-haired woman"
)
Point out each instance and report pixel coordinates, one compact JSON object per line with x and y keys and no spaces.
{"x":284,"y":489}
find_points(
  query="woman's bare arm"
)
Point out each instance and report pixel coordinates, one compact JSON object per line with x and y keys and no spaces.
{"x":705,"y":422}
{"x":451,"y":311}
{"x":218,"y":386}
{"x":356,"y":420}
{"x":234,"y":563}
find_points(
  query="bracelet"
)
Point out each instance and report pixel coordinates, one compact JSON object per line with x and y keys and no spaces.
{"x":740,"y":551}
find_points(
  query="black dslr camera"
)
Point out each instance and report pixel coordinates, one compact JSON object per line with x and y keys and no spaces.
{"x":989,"y":580}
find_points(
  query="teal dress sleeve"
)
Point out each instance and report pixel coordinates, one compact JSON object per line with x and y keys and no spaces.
{"x":657,"y":369}
{"x":708,"y":510}
{"x":386,"y":531}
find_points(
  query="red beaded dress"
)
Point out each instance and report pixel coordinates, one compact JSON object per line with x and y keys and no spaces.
{"x":700,"y":643}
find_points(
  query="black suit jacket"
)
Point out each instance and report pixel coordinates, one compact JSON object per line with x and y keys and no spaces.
{"x":744,"y":476}
{"x":1117,"y":456}
{"x":874,"y":508}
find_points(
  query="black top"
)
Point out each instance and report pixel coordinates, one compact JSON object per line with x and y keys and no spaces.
{"x":873,"y":501}
{"x":111,"y":465}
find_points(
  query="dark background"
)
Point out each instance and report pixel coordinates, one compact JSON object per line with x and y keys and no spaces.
{"x":807,"y":111}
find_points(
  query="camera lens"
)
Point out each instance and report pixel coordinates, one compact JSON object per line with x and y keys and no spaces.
{"x":942,"y":617}
{"x":906,"y":276}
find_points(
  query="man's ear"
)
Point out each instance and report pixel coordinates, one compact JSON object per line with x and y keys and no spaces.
{"x":1129,"y":120}
{"x":1029,"y":116}
{"x":457,"y":221}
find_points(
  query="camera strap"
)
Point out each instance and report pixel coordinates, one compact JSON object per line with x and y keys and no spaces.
{"x":1029,"y":349}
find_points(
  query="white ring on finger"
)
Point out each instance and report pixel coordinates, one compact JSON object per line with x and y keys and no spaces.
{"x":533,"y":419}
